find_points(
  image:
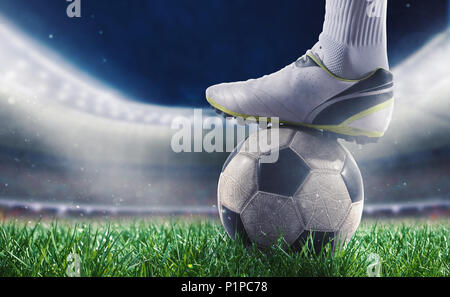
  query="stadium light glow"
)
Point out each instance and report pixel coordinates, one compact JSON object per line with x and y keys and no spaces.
{"x":29,"y":70}
{"x":421,"y":90}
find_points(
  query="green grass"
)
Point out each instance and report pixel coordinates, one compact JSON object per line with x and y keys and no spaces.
{"x":201,"y":248}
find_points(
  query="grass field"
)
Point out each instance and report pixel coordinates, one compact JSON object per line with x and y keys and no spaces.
{"x":201,"y":248}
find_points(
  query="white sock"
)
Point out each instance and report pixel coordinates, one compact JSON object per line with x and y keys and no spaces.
{"x":353,"y":40}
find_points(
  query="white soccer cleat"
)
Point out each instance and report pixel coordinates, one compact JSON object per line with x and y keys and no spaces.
{"x":306,"y":93}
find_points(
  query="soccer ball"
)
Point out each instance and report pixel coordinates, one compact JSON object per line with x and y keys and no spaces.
{"x":313,"y":193}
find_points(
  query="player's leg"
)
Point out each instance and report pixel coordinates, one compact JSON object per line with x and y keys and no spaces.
{"x":353,"y":40}
{"x":342,"y":85}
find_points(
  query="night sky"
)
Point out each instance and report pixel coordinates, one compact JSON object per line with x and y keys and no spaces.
{"x":169,"y":51}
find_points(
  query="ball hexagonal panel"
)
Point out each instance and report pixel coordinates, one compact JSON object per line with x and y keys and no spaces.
{"x":267,"y":216}
{"x":318,"y":152}
{"x":283,"y":177}
{"x":323,"y":201}
{"x":238,"y":182}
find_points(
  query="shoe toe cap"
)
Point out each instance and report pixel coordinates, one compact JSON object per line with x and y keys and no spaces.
{"x":211,"y":92}
{"x":228,"y":97}
{"x":219,"y":94}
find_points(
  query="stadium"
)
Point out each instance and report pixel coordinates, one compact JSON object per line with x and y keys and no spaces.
{"x":111,"y":153}
{"x":74,"y":148}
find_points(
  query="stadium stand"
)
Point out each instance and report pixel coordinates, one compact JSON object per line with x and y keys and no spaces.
{"x":71,"y":146}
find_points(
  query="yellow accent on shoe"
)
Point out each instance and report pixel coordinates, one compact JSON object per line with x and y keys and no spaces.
{"x":342,"y":128}
{"x":317,"y":61}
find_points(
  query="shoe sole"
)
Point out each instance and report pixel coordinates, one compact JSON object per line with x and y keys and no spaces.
{"x":342,"y":131}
